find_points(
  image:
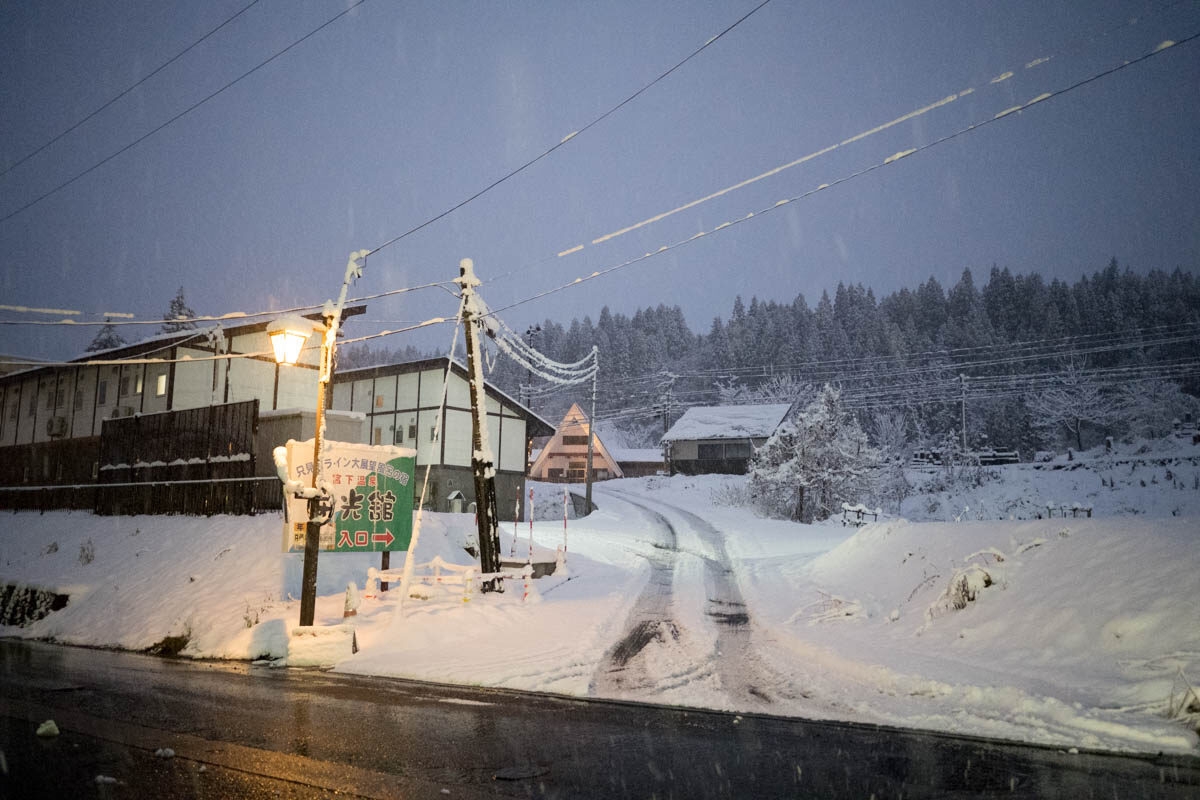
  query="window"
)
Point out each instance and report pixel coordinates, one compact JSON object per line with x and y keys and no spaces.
{"x":412,"y":431}
{"x":78,"y":399}
{"x":102,"y":393}
{"x":32,"y":406}
{"x":379,"y":401}
{"x":737,"y":450}
{"x":378,"y":439}
{"x":124,"y":385}
{"x":433,"y":433}
{"x":138,"y":390}
{"x":13,"y":409}
{"x":95,"y":470}
{"x":570,"y":440}
{"x":399,"y":437}
{"x":160,"y":386}
{"x":60,"y":397}
{"x":50,"y":400}
{"x":553,"y":473}
{"x":709,"y":452}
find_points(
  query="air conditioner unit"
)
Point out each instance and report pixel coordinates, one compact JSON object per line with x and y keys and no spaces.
{"x":122,"y":411}
{"x":56,"y":426}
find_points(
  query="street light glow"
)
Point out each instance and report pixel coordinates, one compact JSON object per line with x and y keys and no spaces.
{"x":288,"y":335}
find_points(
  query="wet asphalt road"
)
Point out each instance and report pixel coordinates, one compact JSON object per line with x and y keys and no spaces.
{"x":261,"y":732}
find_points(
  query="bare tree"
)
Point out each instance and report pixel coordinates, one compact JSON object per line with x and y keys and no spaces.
{"x":1073,"y":401}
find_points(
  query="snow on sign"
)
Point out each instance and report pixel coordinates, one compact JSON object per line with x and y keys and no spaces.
{"x":371,"y":486}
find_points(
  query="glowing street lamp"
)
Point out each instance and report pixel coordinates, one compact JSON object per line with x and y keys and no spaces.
{"x":288,"y":335}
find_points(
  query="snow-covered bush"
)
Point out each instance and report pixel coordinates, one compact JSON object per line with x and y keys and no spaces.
{"x":813,"y":462}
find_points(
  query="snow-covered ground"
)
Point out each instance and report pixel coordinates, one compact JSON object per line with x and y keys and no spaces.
{"x":1081,"y":632}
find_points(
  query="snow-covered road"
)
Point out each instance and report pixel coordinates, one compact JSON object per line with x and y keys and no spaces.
{"x":683,"y":632}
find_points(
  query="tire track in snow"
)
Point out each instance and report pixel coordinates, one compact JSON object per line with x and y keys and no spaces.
{"x":623,"y":671}
{"x":741,"y":675}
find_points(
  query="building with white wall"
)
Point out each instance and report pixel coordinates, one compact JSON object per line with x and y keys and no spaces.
{"x":400,"y":403}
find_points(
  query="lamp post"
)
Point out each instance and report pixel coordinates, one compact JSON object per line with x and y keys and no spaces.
{"x":287,"y":338}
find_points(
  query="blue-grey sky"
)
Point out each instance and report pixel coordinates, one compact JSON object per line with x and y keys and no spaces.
{"x":399,"y":110}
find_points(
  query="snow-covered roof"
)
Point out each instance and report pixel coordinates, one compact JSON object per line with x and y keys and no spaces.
{"x":727,"y":422}
{"x":636,"y":454}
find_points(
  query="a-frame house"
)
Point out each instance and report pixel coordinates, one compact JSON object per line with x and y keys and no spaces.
{"x":564,"y":458}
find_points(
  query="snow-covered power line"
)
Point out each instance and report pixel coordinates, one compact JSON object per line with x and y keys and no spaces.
{"x":77,"y":176}
{"x":944,"y":101}
{"x":129,"y":88}
{"x":571,"y":136}
{"x":890,"y":160}
{"x":232,"y":316}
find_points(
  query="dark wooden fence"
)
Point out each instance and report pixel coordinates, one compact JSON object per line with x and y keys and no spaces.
{"x":202,"y":497}
{"x":197,"y":461}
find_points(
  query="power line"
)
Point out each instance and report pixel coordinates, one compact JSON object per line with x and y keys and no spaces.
{"x":569,"y":136}
{"x":892,"y":159}
{"x":910,"y":115}
{"x":181,"y":114}
{"x":233,"y":316}
{"x":130,"y":88}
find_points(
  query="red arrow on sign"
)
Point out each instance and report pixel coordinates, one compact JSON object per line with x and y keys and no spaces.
{"x":385,"y":537}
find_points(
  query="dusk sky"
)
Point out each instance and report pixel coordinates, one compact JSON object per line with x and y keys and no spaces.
{"x":397,"y":111}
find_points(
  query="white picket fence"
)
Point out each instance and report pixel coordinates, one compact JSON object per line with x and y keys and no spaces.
{"x":439,"y":572}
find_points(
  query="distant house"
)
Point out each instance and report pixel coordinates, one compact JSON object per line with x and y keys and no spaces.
{"x":639,"y":462}
{"x":400,"y":406}
{"x":721,"y":438}
{"x":564,"y":457}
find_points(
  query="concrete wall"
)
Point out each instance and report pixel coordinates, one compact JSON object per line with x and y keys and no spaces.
{"x":276,"y":427}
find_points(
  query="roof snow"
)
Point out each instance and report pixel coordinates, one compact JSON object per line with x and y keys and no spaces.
{"x":728,"y":422}
{"x":636,"y":454}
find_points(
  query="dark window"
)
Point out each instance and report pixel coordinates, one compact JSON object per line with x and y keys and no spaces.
{"x":554,"y":473}
{"x":412,"y":431}
{"x":60,"y":397}
{"x":399,"y":436}
{"x":709,"y":452}
{"x":102,"y":393}
{"x":50,"y":400}
{"x":78,"y":399}
{"x":737,"y":450}
{"x":124,"y":385}
{"x":583,"y":440}
{"x":32,"y":406}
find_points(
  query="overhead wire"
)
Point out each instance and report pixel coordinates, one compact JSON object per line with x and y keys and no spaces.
{"x":129,"y":88}
{"x":890,"y":160}
{"x":77,"y":176}
{"x":569,"y":137}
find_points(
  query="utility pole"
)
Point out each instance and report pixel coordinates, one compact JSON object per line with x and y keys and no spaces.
{"x":312,"y":533}
{"x":527,"y":394}
{"x":591,"y":431}
{"x":482,"y":467}
{"x":962,"y":380}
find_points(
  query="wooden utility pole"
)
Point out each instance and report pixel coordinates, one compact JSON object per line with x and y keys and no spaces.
{"x":962,"y":380}
{"x":482,"y":467}
{"x":587,"y":499}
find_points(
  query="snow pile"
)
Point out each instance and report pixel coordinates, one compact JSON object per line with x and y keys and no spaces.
{"x":219,"y":582}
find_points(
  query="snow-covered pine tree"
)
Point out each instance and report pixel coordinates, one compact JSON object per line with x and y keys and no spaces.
{"x":178,"y":316}
{"x":107,"y":338}
{"x":814,"y":461}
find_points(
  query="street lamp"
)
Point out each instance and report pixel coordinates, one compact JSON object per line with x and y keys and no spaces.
{"x":287,"y":337}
